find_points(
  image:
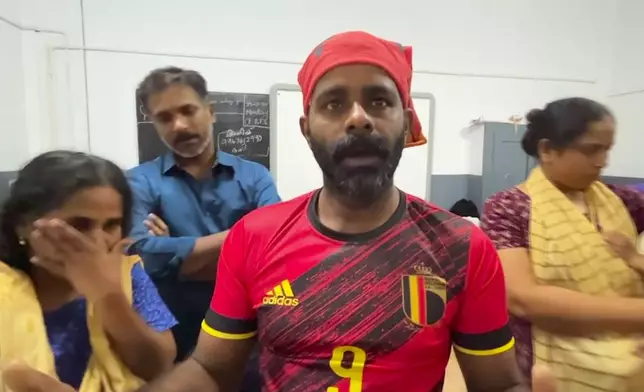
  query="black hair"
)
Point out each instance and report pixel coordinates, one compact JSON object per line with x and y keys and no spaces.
{"x":161,"y":78}
{"x":561,"y":122}
{"x":45,"y":184}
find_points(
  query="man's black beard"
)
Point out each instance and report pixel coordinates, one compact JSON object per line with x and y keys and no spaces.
{"x":359,"y":187}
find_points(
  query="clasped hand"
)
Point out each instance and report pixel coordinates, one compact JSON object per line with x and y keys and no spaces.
{"x":156,"y":226}
{"x":626,"y":249}
{"x":90,"y":265}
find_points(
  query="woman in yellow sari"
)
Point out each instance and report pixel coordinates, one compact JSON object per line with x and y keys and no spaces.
{"x":567,"y":244}
{"x":71,"y":305}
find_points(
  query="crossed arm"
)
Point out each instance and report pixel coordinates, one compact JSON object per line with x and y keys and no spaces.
{"x":194,"y":258}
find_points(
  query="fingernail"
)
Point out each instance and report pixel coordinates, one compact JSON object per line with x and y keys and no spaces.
{"x":34,"y":260}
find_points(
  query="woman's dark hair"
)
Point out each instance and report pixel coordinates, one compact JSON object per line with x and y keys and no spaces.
{"x":44,"y":185}
{"x":561,"y":122}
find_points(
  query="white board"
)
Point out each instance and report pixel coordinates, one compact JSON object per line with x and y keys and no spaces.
{"x":295,"y":170}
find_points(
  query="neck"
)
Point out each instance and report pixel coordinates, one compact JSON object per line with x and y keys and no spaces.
{"x":575,"y":195}
{"x":341,"y":215}
{"x":570,"y":192}
{"x":53,"y":291}
{"x":199,"y":165}
{"x":558,"y":184}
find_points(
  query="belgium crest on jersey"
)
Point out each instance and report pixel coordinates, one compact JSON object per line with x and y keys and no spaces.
{"x":424,"y":297}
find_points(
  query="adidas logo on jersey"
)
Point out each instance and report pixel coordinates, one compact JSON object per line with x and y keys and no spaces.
{"x":281,"y":295}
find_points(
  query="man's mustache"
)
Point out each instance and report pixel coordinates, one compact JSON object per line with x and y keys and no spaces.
{"x":185,"y":136}
{"x":352,"y":146}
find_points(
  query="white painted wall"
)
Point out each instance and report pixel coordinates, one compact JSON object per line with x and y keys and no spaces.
{"x":492,"y":59}
{"x":40,"y":99}
{"x":627,"y":93}
{"x":12,"y":92}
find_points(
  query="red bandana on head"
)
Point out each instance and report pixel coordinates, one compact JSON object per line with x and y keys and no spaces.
{"x":357,"y":47}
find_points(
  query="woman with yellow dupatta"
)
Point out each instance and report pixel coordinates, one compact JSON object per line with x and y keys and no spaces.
{"x":567,"y":244}
{"x":71,"y":305}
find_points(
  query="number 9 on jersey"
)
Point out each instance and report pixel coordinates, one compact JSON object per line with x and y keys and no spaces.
{"x":353,"y":371}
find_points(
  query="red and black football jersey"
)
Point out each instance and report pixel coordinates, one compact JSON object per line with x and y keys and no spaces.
{"x":377,"y":311}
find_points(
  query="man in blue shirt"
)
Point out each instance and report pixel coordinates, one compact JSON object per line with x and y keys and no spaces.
{"x":185,"y":201}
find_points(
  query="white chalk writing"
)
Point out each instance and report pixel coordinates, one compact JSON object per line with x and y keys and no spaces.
{"x":238,"y":141}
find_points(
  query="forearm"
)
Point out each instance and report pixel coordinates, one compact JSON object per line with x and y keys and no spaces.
{"x":162,"y":256}
{"x":201,"y":264}
{"x":187,"y":377}
{"x":514,"y":388}
{"x":497,"y":386}
{"x":569,"y":312}
{"x":144,"y":351}
{"x":638,"y":263}
{"x":518,"y":388}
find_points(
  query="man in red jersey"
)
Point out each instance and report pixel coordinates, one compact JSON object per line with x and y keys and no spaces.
{"x":356,"y":287}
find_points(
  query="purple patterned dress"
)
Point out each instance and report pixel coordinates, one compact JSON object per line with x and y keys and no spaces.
{"x":69,"y":337}
{"x":506,"y":220}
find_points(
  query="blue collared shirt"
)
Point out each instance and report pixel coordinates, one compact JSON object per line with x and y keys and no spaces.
{"x":192,"y":208}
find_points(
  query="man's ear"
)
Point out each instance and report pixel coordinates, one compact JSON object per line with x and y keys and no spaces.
{"x":409,"y":114}
{"x":211,"y":109}
{"x":305,"y":130}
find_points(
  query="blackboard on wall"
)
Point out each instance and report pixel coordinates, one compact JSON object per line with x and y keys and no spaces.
{"x":242,"y":128}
